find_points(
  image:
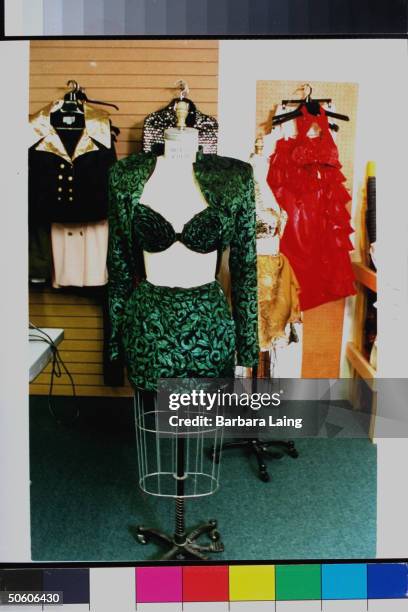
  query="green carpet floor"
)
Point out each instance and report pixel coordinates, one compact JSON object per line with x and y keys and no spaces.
{"x":85,"y":499}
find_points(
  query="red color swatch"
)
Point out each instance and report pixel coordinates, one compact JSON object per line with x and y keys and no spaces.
{"x":206,"y":583}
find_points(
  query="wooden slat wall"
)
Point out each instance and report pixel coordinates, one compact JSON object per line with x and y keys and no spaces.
{"x":139,"y":77}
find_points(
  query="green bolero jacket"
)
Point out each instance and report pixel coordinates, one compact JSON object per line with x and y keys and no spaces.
{"x":228,"y":187}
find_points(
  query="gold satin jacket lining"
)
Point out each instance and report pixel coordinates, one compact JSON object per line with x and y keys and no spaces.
{"x":97,"y":127}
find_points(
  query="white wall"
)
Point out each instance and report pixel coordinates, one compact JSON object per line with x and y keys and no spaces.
{"x":380,"y":69}
{"x":33,"y":17}
{"x":13,"y":18}
{"x":14,"y":456}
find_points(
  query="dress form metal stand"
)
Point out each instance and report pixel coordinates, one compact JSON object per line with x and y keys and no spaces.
{"x":262,"y":449}
{"x":176,"y":467}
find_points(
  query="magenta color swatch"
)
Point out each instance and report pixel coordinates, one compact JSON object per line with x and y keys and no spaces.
{"x":159,"y":584}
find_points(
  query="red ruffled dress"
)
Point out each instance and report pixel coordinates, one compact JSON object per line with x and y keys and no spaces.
{"x":307,"y":182}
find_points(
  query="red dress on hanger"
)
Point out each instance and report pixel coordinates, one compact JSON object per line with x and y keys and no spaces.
{"x":307,"y":182}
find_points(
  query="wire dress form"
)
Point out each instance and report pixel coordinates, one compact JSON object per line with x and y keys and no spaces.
{"x":177,"y":464}
{"x":173,"y":461}
{"x":168,"y":456}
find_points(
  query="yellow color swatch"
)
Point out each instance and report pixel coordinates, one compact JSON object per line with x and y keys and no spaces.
{"x":252,"y":582}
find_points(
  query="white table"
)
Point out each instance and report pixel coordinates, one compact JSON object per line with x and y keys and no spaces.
{"x":41,"y":352}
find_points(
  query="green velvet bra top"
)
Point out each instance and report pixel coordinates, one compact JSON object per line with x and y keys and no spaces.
{"x":203,"y":233}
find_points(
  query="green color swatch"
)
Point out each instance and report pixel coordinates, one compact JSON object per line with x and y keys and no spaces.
{"x":298,"y":582}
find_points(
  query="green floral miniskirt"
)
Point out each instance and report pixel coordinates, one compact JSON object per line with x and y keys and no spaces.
{"x":175,"y":332}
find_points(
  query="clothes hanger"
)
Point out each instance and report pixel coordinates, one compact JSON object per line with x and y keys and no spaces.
{"x":82,"y":95}
{"x":184,"y":90}
{"x":312,"y":106}
{"x":71,"y":111}
{"x":85,"y":98}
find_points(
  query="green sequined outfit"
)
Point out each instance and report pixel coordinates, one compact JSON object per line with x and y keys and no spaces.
{"x":167,"y":332}
{"x":178,"y":333}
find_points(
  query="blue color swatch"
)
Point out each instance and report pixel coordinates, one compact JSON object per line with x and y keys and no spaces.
{"x":387,"y":580}
{"x":344,"y":581}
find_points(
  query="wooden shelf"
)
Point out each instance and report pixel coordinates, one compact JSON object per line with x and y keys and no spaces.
{"x":365,"y":275}
{"x":359,"y":362}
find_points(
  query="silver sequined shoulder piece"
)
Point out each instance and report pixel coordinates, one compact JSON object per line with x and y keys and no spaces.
{"x":156,"y":123}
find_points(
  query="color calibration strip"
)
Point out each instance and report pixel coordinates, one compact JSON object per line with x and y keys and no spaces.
{"x":273,"y":583}
{"x":343,"y":587}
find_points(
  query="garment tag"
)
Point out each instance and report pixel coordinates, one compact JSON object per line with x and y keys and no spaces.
{"x":69,"y":120}
{"x":177,"y":150}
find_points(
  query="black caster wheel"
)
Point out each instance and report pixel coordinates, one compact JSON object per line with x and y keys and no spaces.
{"x":142,"y":539}
{"x":213,"y":523}
{"x":141,"y":536}
{"x":215,"y":535}
{"x":264,"y":476}
{"x":293,"y":453}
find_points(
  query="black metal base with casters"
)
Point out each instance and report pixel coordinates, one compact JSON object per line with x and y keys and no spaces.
{"x":262,"y":451}
{"x":183,"y":545}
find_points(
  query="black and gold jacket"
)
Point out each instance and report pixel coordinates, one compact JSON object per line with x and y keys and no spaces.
{"x":65,"y":188}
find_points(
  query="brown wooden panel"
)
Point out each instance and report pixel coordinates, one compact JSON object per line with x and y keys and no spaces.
{"x":81,"y":356}
{"x":79,"y":368}
{"x":131,"y":121}
{"x":359,"y":363}
{"x":65,"y":310}
{"x":144,"y":108}
{"x":127,"y":148}
{"x":160,"y":95}
{"x":55,"y":297}
{"x":365,"y":275}
{"x":80,"y":345}
{"x":130,"y":134}
{"x":114,"y":81}
{"x":79,"y":379}
{"x":82,"y":390}
{"x":322,"y":336}
{"x":83,"y":334}
{"x":77,"y":322}
{"x":128,"y":55}
{"x":75,"y":69}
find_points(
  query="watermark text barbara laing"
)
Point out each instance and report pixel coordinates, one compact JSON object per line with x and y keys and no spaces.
{"x":238,"y":421}
{"x":298,"y":408}
{"x":205,"y":402}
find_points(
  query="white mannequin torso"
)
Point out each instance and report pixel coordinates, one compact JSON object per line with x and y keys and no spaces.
{"x":173,"y":191}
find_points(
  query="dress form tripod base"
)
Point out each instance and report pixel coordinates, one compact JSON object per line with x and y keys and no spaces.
{"x":183,"y":545}
{"x":261,"y":450}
